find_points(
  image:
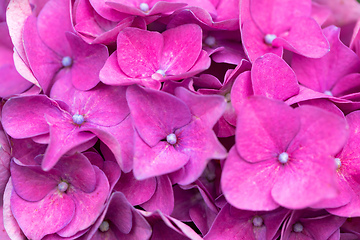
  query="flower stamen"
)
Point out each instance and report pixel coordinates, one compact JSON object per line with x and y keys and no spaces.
{"x":171,"y":138}
{"x":67,"y":61}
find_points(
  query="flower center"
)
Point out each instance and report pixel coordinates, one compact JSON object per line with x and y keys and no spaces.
{"x":228,"y":97}
{"x":104,"y":226}
{"x":210,"y":41}
{"x":144,"y":7}
{"x":78,"y":119}
{"x":257,"y":221}
{"x":63,"y":186}
{"x":298,"y":227}
{"x":269,"y":38}
{"x":283,"y":157}
{"x":159,"y":74}
{"x":67,"y":61}
{"x":338,"y":162}
{"x":329,"y":93}
{"x":171,"y":138}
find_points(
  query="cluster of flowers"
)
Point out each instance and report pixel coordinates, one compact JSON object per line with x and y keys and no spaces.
{"x":179,"y":119}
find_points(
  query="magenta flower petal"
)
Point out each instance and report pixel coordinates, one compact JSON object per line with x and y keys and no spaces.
{"x":56,"y":210}
{"x":253,"y":40}
{"x":87,"y":206}
{"x":156,"y":114}
{"x":305,"y":38}
{"x":346,"y":193}
{"x":252,"y":188}
{"x":232,"y":223}
{"x":136,"y":191}
{"x":43,"y":62}
{"x":139,"y":52}
{"x":85,"y":180}
{"x":158,"y":7}
{"x":87,"y":62}
{"x":314,"y":134}
{"x":12,"y":82}
{"x":25,"y":111}
{"x":119,"y":221}
{"x":208,"y":108}
{"x":120,"y":213}
{"x":182,"y":46}
{"x":6,"y":154}
{"x":260,"y":121}
{"x":348,"y":172}
{"x":53,"y":21}
{"x":310,"y":224}
{"x":64,"y":136}
{"x":112,"y":74}
{"x":278,"y":14}
{"x":346,"y":85}
{"x":31,"y":183}
{"x":112,"y":172}
{"x":3,"y":234}
{"x":163,"y":198}
{"x":273,"y":78}
{"x":307,"y":184}
{"x":202,"y":63}
{"x":156,"y":160}
{"x":103,"y":105}
{"x":271,"y":26}
{"x":346,"y":62}
{"x":123,"y":133}
{"x":191,"y":143}
{"x":241,"y":89}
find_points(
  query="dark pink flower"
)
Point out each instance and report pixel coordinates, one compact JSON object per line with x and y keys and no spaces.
{"x":310,"y":224}
{"x":119,"y":220}
{"x":347,"y":202}
{"x":54,"y":51}
{"x":170,"y":132}
{"x":232,"y":223}
{"x":270,"y":26}
{"x":94,"y":28}
{"x":282,"y":156}
{"x":75,"y":120}
{"x":149,"y":58}
{"x":339,"y":62}
{"x":65,"y":200}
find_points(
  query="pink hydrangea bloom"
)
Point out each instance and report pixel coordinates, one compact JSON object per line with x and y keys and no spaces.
{"x":68,"y":199}
{"x":149,"y":58}
{"x":283,"y":155}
